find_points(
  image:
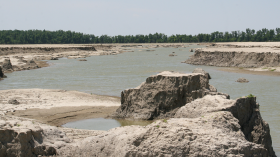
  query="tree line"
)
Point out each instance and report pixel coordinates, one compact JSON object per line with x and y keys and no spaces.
{"x":70,"y":37}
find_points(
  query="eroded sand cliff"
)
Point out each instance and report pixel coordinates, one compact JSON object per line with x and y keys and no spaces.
{"x":162,"y":95}
{"x":210,"y":125}
{"x":253,"y":56}
{"x":198,"y":121}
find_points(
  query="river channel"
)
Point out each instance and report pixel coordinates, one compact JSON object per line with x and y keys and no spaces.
{"x":109,"y":75}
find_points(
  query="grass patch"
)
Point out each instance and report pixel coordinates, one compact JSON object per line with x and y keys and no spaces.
{"x":264,"y":68}
{"x":250,"y":96}
{"x":157,"y":126}
{"x":272,"y":69}
{"x":164,"y":120}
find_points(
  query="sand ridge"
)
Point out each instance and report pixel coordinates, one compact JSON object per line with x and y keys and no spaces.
{"x":56,"y":107}
{"x":50,"y":98}
{"x":249,"y":54}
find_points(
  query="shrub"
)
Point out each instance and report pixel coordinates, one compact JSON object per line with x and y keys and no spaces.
{"x":250,"y":96}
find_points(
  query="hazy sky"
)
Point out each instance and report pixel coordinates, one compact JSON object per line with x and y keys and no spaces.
{"x":131,"y":17}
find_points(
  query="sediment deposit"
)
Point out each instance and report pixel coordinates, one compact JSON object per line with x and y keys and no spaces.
{"x":214,"y":134}
{"x":249,"y":55}
{"x":242,"y":80}
{"x":51,"y":98}
{"x":161,"y":95}
{"x":245,"y":110}
{"x":11,"y":49}
{"x":199,"y":121}
{"x":235,"y":59}
{"x":27,"y":57}
{"x":7,"y":66}
{"x":208,"y":124}
{"x":1,"y":73}
{"x":26,"y":138}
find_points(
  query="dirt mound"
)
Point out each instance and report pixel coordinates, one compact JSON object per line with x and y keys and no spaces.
{"x":161,"y":95}
{"x":234,"y":59}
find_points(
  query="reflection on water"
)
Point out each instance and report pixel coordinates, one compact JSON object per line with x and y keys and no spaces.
{"x":103,"y":124}
{"x":109,"y":75}
{"x":93,"y":124}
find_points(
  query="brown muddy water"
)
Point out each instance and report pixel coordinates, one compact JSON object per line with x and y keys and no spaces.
{"x":109,"y":75}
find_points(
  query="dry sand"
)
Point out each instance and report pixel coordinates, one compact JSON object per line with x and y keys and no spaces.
{"x":250,"y":44}
{"x":253,"y":49}
{"x":253,"y":71}
{"x":56,"y":107}
{"x":49,"y":98}
{"x":58,"y":116}
{"x":249,"y":47}
{"x":86,"y":45}
{"x":256,"y":47}
{"x":45,"y":45}
{"x":38,"y":52}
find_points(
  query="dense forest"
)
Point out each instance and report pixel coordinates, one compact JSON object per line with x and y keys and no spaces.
{"x":68,"y":37}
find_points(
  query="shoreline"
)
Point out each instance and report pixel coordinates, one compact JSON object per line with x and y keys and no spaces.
{"x":82,"y":112}
{"x":251,"y":57}
{"x":27,"y":57}
{"x":42,"y":64}
{"x":58,"y":116}
{"x":100,"y":51}
{"x":60,"y":103}
{"x":41,"y":54}
{"x":248,"y":71}
{"x":53,"y":52}
{"x":56,"y":107}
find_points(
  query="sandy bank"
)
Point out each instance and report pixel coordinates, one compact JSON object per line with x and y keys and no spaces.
{"x":246,"y":49}
{"x":44,"y":45}
{"x":58,"y":116}
{"x":18,"y":57}
{"x":250,"y":44}
{"x":56,"y":107}
{"x":50,"y":98}
{"x":256,"y":57}
{"x":203,"y":119}
{"x":254,"y":71}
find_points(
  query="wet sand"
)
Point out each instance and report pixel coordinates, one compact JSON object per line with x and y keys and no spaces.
{"x":58,"y":116}
{"x":42,"y":64}
{"x":68,"y":109}
{"x":247,"y":71}
{"x":56,"y":107}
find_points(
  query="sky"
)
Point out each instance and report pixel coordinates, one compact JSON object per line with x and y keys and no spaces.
{"x":131,"y":17}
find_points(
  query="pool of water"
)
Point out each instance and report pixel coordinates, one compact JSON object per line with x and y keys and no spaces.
{"x":109,"y":75}
{"x":103,"y":124}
